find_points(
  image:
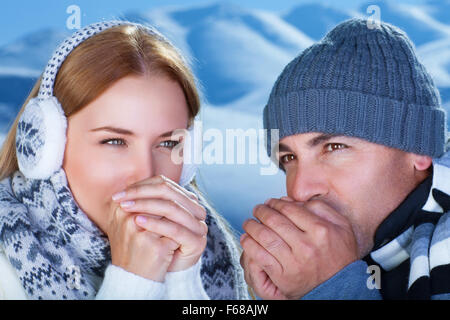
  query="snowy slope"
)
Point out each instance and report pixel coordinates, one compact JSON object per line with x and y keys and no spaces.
{"x":439,"y":10}
{"x":235,"y":51}
{"x":30,"y":52}
{"x":435,"y":55}
{"x":413,"y":19}
{"x":21,"y":63}
{"x":315,"y":19}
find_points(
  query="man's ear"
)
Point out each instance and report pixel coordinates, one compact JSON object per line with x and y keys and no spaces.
{"x":421,"y":162}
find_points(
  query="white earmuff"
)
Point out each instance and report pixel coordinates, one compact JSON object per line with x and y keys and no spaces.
{"x":41,"y":138}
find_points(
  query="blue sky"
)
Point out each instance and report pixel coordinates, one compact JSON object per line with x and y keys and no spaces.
{"x":23,"y":16}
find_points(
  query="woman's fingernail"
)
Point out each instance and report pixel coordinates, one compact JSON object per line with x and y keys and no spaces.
{"x":118,"y":195}
{"x":267,"y":201}
{"x":127,"y":204}
{"x":141,"y":220}
{"x":243,"y":236}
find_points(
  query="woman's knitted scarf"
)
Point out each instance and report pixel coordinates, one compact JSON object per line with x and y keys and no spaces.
{"x":59,"y":253}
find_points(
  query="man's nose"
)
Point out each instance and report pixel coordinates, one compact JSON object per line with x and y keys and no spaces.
{"x":307,"y":182}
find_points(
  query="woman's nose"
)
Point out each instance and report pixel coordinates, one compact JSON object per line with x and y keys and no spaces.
{"x":141,"y":168}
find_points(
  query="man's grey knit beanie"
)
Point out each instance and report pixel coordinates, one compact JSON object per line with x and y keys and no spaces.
{"x":361,"y":82}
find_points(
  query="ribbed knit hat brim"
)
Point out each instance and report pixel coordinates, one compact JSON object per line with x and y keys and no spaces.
{"x":361,"y":82}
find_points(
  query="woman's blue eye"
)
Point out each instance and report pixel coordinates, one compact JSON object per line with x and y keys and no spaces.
{"x":330,"y":147}
{"x":114,"y":142}
{"x":169,"y":144}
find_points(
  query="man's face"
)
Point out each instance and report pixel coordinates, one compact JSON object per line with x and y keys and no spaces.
{"x":363,"y":181}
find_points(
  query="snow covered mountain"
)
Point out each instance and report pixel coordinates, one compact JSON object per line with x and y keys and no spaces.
{"x":315,"y":19}
{"x":21,"y":63}
{"x":237,"y":53}
{"x":234,"y":51}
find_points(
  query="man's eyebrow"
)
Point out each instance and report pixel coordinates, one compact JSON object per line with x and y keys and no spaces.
{"x":321,"y":138}
{"x":114,"y":130}
{"x":283,"y":148}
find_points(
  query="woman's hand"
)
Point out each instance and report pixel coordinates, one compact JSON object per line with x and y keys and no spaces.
{"x":163,"y":208}
{"x":135,"y":250}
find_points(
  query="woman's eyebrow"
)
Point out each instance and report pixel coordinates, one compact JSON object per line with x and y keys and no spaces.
{"x":169,"y":134}
{"x":114,"y":130}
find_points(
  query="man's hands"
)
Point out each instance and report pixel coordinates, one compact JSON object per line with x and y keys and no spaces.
{"x":156,"y":226}
{"x":295,"y":247}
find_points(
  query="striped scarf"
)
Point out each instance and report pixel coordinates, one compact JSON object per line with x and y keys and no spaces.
{"x":426,"y":243}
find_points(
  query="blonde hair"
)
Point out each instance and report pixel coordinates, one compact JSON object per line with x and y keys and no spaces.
{"x":99,"y":62}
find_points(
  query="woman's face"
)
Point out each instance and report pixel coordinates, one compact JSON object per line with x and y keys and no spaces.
{"x":122,"y":137}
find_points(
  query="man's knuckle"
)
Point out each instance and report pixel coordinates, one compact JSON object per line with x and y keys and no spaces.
{"x":260,"y":255}
{"x":258,"y":211}
{"x":272,"y":244}
{"x":308,"y":251}
{"x":321,"y":231}
{"x":288,"y":208}
{"x":263,"y":235}
{"x":288,"y":228}
{"x":272,"y":219}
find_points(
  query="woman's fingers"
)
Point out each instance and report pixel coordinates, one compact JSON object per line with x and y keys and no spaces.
{"x":162,"y":188}
{"x":174,"y":213}
{"x":190,"y":243}
{"x":170,"y":210}
{"x":163,"y":179}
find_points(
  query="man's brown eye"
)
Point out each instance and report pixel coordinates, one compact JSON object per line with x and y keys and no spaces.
{"x":286,"y":158}
{"x":334,"y":146}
